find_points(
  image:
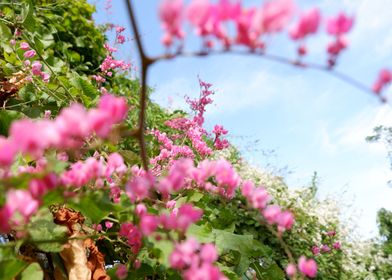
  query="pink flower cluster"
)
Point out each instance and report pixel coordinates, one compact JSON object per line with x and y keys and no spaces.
{"x":211,"y":20}
{"x":133,"y":235}
{"x":338,"y":26}
{"x":196,"y":261}
{"x":329,"y":244}
{"x":110,"y":63}
{"x":20,"y":206}
{"x":219,"y":143}
{"x":190,"y":129}
{"x":217,"y":177}
{"x":36,"y":66}
{"x":307,"y":267}
{"x":258,"y":198}
{"x":65,"y":132}
{"x":308,"y":24}
{"x":82,"y":172}
{"x":383,"y":80}
{"x":178,"y":219}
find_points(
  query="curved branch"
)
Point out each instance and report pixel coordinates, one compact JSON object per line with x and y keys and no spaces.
{"x":280,"y":59}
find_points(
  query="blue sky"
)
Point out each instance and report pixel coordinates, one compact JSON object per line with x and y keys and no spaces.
{"x":310,"y":120}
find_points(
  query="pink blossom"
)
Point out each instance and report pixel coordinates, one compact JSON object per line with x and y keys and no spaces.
{"x":24,"y":46}
{"x":171,"y":16}
{"x":315,"y":250}
{"x":148,"y":224}
{"x":122,"y":271}
{"x":29,"y":54}
{"x":170,"y":204}
{"x":208,"y":253}
{"x":307,"y":24}
{"x":36,"y":68}
{"x":12,"y":42}
{"x":22,"y":202}
{"x":271,"y":213}
{"x":198,"y":13}
{"x":115,"y":163}
{"x":291,"y":270}
{"x":340,"y":24}
{"x":45,"y":77}
{"x":274,"y":15}
{"x":325,"y":248}
{"x":138,"y":187}
{"x":285,"y":220}
{"x":307,"y":267}
{"x":133,"y":235}
{"x":140,"y":209}
{"x":8,"y":151}
{"x":186,"y":216}
{"x":39,"y":187}
{"x":108,"y":224}
{"x":384,"y":78}
{"x":335,"y":47}
{"x":27,"y":142}
{"x":115,"y":107}
{"x":337,"y":245}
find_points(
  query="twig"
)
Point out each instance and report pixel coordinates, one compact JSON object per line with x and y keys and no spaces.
{"x":145,"y":63}
{"x":280,"y":59}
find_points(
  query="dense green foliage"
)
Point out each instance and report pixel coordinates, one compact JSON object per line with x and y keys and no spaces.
{"x":71,"y":49}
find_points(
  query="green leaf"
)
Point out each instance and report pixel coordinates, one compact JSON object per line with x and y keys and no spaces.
{"x":5,"y":32}
{"x":272,"y":271}
{"x":94,"y":205}
{"x":244,"y":244}
{"x":28,"y":16}
{"x":6,"y":118}
{"x":10,"y":269}
{"x":48,"y":236}
{"x":165,"y":248}
{"x":33,"y":272}
{"x":202,"y":233}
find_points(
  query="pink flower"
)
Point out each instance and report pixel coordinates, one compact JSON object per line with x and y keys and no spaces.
{"x":340,"y":24}
{"x":29,"y":54}
{"x":285,"y":220}
{"x":133,"y":235}
{"x":171,"y":14}
{"x":140,"y":209}
{"x":336,"y":245}
{"x":148,"y":224}
{"x":115,"y":107}
{"x":208,"y":253}
{"x":45,"y":77}
{"x":307,"y":24}
{"x":187,"y":215}
{"x":315,"y":250}
{"x":24,"y":46}
{"x":108,"y":224}
{"x":21,"y":201}
{"x":325,"y":248}
{"x":291,"y":270}
{"x":307,"y":267}
{"x":122,"y":271}
{"x":8,"y":151}
{"x":271,"y":213}
{"x":12,"y":42}
{"x":27,"y":142}
{"x":384,"y":79}
{"x":198,"y":13}
{"x":274,"y":15}
{"x":331,"y":233}
{"x":36,"y":68}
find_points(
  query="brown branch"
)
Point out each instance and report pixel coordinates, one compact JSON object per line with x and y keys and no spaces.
{"x":145,"y":63}
{"x":283,"y":60}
